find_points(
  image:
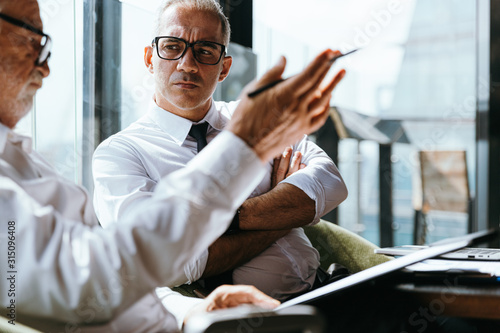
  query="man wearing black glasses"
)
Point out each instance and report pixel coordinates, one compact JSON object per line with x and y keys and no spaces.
{"x":26,"y":77}
{"x":59,"y":268}
{"x":188,"y":59}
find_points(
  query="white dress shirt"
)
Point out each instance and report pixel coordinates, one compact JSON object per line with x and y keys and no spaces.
{"x":128,"y":166}
{"x":69,"y":271}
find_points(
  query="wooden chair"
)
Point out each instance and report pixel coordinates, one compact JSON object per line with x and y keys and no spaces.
{"x":444,"y":186}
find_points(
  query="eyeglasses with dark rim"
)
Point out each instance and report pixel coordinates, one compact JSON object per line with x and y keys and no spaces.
{"x":45,"y":43}
{"x":173,"y":48}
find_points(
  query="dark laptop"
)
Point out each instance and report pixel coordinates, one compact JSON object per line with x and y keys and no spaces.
{"x":467,"y":253}
{"x":446,"y":246}
{"x":296,"y":315}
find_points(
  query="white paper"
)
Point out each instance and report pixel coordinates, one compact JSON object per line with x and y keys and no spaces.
{"x":440,"y":265}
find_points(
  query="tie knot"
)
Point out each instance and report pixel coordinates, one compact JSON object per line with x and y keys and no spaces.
{"x":199,"y":132}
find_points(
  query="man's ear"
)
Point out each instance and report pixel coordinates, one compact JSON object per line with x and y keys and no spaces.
{"x":226,"y":66}
{"x":148,"y":58}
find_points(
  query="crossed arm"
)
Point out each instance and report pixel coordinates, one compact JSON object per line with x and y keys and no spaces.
{"x":286,"y":205}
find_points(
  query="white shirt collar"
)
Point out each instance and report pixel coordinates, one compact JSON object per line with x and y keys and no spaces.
{"x":178,"y":127}
{"x":6,"y":134}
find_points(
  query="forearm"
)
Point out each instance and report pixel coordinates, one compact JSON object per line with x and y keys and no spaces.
{"x":320,"y":180}
{"x":230,"y":251}
{"x":284,"y":207}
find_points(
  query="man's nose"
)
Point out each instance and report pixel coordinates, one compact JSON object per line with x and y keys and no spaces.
{"x":188,"y":63}
{"x":44,"y":69}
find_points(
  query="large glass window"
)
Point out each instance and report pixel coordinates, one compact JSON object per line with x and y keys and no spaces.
{"x":55,"y":122}
{"x":137,"y":82}
{"x":416,"y":65}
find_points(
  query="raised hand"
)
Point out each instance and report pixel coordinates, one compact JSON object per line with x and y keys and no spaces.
{"x":281,"y":115}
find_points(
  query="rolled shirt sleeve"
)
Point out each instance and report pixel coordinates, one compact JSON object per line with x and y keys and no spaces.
{"x":320,"y":179}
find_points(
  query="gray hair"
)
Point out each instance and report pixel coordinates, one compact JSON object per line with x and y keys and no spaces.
{"x":210,"y":6}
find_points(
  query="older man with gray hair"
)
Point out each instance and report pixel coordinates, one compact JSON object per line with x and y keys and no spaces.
{"x":65,"y":271}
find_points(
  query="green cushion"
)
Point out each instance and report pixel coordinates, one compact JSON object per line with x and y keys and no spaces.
{"x":339,"y":245}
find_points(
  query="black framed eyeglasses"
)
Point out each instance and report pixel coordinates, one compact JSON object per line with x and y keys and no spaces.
{"x":45,"y":43}
{"x":173,"y":48}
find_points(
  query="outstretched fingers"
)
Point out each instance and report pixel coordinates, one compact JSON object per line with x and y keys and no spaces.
{"x":319,"y":102}
{"x":333,"y":83}
{"x":312,"y":75}
{"x":319,"y":98}
{"x":319,"y":81}
{"x":283,"y":113}
{"x":318,"y":119}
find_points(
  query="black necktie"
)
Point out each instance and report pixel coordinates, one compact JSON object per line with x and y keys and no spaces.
{"x":199,"y":132}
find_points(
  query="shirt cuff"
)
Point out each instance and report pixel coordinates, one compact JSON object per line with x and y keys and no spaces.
{"x":310,"y":185}
{"x":177,"y":304}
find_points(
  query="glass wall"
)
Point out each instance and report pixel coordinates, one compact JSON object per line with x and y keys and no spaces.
{"x":416,"y":63}
{"x":55,"y":123}
{"x":137,"y":82}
